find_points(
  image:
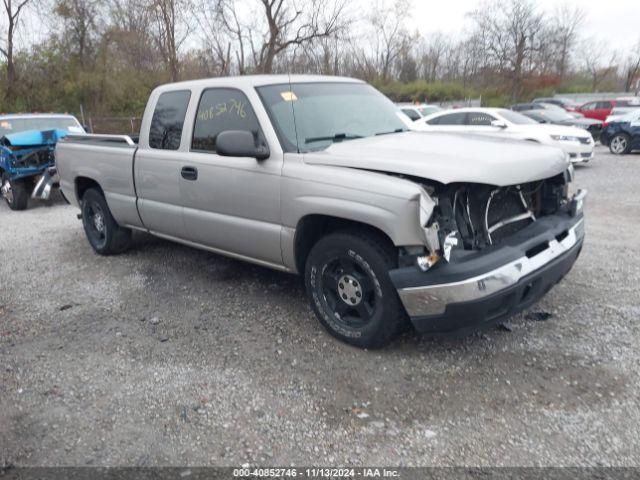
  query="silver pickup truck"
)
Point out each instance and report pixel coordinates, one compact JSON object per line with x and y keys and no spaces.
{"x":319,"y":176}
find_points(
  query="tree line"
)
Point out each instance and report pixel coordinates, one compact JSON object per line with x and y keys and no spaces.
{"x":106,"y":55}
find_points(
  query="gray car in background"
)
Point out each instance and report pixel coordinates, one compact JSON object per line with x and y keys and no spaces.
{"x":560,"y":117}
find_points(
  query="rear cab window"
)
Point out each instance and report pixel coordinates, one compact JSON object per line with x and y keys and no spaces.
{"x":222,"y":109}
{"x":167,"y":122}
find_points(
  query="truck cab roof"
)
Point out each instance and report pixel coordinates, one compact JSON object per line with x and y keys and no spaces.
{"x":254,"y":81}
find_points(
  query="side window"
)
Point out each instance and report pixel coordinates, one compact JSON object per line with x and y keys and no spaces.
{"x":168,"y":119}
{"x":222,"y":109}
{"x":589,"y":106}
{"x":479,"y":119}
{"x":412,"y":114}
{"x":601,"y":105}
{"x":449,"y":119}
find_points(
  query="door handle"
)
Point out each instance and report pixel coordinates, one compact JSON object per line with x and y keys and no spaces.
{"x":189,"y":173}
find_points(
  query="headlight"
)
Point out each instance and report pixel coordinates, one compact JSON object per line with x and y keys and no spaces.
{"x":564,"y":138}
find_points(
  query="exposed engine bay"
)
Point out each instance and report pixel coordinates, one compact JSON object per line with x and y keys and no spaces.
{"x":483,"y":215}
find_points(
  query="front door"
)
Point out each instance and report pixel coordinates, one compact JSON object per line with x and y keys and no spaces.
{"x":232,"y":204}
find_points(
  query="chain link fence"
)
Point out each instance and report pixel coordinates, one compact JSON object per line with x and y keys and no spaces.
{"x":114,"y":125}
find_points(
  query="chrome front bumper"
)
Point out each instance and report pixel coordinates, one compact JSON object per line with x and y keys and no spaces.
{"x":433,"y":299}
{"x":46,"y":183}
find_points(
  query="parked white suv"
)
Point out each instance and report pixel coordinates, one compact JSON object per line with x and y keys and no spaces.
{"x":576,"y":142}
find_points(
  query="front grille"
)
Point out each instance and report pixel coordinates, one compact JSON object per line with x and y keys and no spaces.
{"x":35,"y":158}
{"x":485,"y":215}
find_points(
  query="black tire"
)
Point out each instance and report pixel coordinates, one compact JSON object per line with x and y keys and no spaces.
{"x":620,"y":144}
{"x":18,"y":195}
{"x":103,"y":232}
{"x":354,"y":264}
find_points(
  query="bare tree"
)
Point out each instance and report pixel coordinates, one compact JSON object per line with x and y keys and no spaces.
{"x":170,"y":31}
{"x":509,"y":34}
{"x":566,"y":23}
{"x":390,"y":33}
{"x":12,"y":10}
{"x":290,"y":25}
{"x":632,"y":68}
{"x":599,"y":61}
{"x":433,"y":51}
{"x":79,"y":20}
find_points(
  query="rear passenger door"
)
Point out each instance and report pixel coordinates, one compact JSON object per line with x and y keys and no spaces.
{"x":449,"y":122}
{"x":234,"y":203}
{"x":157,"y":168}
{"x":480,"y":122}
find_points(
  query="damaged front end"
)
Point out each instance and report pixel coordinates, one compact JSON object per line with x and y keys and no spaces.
{"x":472,"y":217}
{"x":489,"y":251}
{"x":30,"y":155}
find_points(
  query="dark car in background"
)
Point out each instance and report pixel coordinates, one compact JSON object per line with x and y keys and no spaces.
{"x":559,"y":117}
{"x":564,"y":103}
{"x":623,"y":136}
{"x":524,"y":107}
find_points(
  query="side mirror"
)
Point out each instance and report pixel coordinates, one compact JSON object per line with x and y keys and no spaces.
{"x":240,"y":143}
{"x":87,"y":128}
{"x":498,"y":124}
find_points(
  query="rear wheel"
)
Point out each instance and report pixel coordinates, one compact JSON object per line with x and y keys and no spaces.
{"x":620,"y":144}
{"x":348,"y":283}
{"x":103,"y":232}
{"x":15,"y":193}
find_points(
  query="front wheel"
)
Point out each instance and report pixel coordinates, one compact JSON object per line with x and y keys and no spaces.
{"x":15,"y":193}
{"x":103,"y":232}
{"x":620,"y":144}
{"x":348,"y":284}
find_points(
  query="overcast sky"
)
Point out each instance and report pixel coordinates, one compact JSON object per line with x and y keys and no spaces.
{"x":615,"y":21}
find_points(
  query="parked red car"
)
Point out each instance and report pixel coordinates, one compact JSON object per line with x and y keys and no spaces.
{"x":598,"y":110}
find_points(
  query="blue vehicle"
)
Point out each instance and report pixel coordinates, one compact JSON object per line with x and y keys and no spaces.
{"x":27,"y":162}
{"x":623,"y":135}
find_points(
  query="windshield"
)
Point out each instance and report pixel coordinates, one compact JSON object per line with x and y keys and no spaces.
{"x":327,"y":113}
{"x":516,"y":118}
{"x":429,"y":110}
{"x":15,"y":125}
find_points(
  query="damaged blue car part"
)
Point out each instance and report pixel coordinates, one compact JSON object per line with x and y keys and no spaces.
{"x":27,"y":155}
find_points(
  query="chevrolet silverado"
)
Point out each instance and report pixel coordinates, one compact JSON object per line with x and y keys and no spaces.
{"x":318,"y":176}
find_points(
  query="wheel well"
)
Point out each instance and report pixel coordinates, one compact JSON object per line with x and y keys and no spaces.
{"x":312,"y":228}
{"x":83,"y":184}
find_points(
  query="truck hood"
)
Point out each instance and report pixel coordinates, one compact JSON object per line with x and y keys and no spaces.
{"x":32,"y":138}
{"x":447,"y":158}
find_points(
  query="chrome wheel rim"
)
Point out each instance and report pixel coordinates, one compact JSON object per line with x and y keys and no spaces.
{"x":95,"y":223}
{"x":619,"y":145}
{"x":7,"y":193}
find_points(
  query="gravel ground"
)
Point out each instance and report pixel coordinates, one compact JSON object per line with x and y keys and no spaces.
{"x":172,"y":356}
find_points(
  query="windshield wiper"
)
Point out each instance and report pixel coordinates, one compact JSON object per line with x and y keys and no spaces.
{"x":397,"y":130}
{"x":338,"y":137}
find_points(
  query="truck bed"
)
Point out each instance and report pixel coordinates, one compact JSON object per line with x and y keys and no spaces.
{"x":107,"y":160}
